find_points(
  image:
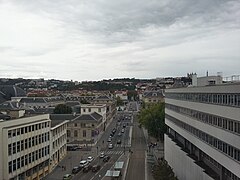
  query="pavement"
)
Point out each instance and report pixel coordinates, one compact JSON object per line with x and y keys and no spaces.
{"x":152,"y":155}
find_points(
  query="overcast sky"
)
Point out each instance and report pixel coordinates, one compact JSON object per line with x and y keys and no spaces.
{"x":102,"y":39}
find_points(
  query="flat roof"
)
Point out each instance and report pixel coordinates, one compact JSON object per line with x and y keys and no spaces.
{"x":112,"y":173}
{"x":118,"y":165}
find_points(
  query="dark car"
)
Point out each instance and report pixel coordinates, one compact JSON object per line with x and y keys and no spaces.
{"x":96,"y":168}
{"x":76,"y":169}
{"x":106,"y":158}
{"x":87,"y":168}
{"x":119,"y":141}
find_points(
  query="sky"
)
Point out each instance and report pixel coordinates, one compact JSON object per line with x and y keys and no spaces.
{"x":105,"y":39}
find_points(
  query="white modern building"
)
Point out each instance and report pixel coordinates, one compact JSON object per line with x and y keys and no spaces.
{"x":58,"y":145}
{"x":203,"y":138}
{"x":25,"y":148}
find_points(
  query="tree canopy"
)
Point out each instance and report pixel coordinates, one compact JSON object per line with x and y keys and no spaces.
{"x":62,"y":109}
{"x":163,"y":171}
{"x":153,"y":118}
{"x":119,"y":101}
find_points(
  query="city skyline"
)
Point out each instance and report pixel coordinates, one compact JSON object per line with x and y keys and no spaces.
{"x":83,"y":40}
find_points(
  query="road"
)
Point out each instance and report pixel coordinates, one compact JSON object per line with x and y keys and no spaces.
{"x":136,"y":167}
{"x":118,"y":149}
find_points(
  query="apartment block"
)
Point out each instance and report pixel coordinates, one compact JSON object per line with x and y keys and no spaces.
{"x":203,"y":137}
{"x":58,"y":146}
{"x":25,"y":148}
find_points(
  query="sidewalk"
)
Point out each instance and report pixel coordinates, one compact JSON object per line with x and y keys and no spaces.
{"x":152,"y":154}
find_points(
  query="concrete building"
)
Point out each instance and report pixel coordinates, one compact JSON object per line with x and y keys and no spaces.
{"x":25,"y":148}
{"x":206,"y":80}
{"x":58,"y":145}
{"x":153,"y":96}
{"x":203,"y":138}
{"x":84,"y":129}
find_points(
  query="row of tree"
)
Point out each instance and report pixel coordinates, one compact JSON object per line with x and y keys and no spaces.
{"x":152,"y":117}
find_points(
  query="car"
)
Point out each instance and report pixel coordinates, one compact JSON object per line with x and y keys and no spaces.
{"x":119,"y":141}
{"x":114,"y":130}
{"x":109,"y":139}
{"x":87,"y":168}
{"x":106,"y":158}
{"x":96,"y":168}
{"x":102,"y":155}
{"x":90,"y":159}
{"x":124,"y":125}
{"x":122,"y":130}
{"x":76,"y":169}
{"x":83,"y":163}
{"x":119,"y":134}
{"x":67,"y":177}
{"x":110,"y":146}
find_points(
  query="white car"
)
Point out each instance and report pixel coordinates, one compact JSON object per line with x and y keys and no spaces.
{"x":83,"y":163}
{"x":110,"y":146}
{"x":102,"y":155}
{"x":109,"y":139}
{"x":90,"y":159}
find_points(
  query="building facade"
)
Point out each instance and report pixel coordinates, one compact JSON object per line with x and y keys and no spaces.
{"x":25,"y":148}
{"x":58,"y":145}
{"x":203,"y":138}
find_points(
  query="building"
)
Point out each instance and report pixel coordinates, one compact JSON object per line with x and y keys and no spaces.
{"x":58,"y":145}
{"x":203,"y":137}
{"x":206,"y":80}
{"x":153,"y":96}
{"x":84,"y":129}
{"x":25,"y":148}
{"x":12,"y":108}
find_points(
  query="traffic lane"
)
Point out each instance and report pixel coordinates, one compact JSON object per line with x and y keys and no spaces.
{"x":136,"y":167}
{"x":104,"y":167}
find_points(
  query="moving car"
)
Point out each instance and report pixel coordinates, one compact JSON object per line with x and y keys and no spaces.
{"x":76,"y":169}
{"x":67,"y":177}
{"x":90,"y":159}
{"x":102,"y":155}
{"x":83,"y":163}
{"x":96,"y":168}
{"x":122,"y":131}
{"x":106,"y":158}
{"x":109,"y":139}
{"x":119,"y":141}
{"x":87,"y":168}
{"x":110,"y":146}
{"x":119,"y":134}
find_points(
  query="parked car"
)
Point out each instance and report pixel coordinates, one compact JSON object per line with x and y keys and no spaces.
{"x":90,"y":159}
{"x":124,"y":125}
{"x":110,"y":146}
{"x":87,"y":168}
{"x":119,"y":134}
{"x":76,"y":169}
{"x":106,"y":158}
{"x":83,"y":163}
{"x":96,"y":168}
{"x":109,"y":139}
{"x":119,"y":141}
{"x":102,"y":155}
{"x":67,"y":177}
{"x":122,"y":130}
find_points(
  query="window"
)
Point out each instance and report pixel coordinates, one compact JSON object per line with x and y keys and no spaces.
{"x":84,"y":133}
{"x":99,"y":109}
{"x":14,"y":165}
{"x":18,"y":146}
{"x":10,"y":149}
{"x":14,"y":148}
{"x":9,"y":134}
{"x":75,"y":124}
{"x":89,"y":109}
{"x":10,"y":167}
{"x":75,"y":133}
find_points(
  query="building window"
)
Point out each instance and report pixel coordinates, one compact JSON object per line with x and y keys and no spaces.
{"x":84,"y":133}
{"x":68,"y":133}
{"x":75,"y":133}
{"x":99,"y":109}
{"x":75,"y":124}
{"x":10,"y":149}
{"x":10,"y":167}
{"x":89,"y":109}
{"x":84,"y":110}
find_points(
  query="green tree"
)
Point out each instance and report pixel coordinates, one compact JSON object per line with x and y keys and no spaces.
{"x":62,"y":109}
{"x":119,"y":101}
{"x":153,"y":119}
{"x":132,"y":95}
{"x":163,"y":171}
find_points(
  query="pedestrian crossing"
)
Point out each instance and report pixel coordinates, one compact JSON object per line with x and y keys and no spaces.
{"x":113,"y":152}
{"x":122,"y":145}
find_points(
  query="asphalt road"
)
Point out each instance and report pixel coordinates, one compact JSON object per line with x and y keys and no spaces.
{"x":102,"y":146}
{"x":136,"y":166}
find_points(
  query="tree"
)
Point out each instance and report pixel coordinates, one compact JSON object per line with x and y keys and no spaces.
{"x":153,"y":119}
{"x":62,"y":109}
{"x":132,"y":95}
{"x":119,"y":101}
{"x":163,"y":171}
